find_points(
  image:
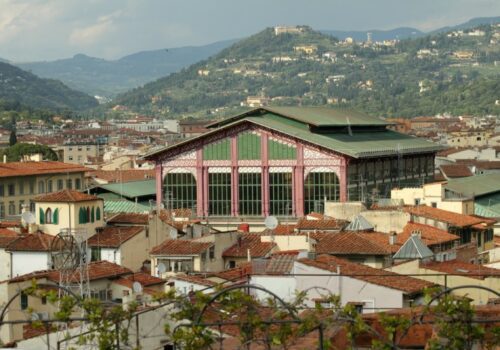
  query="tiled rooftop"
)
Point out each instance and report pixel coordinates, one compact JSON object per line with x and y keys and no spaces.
{"x":455,"y":170}
{"x":180,"y":247}
{"x":38,"y":168}
{"x":34,"y":242}
{"x":462,"y":268}
{"x":129,"y":218}
{"x":66,"y":196}
{"x":368,"y":274}
{"x":252,"y":242}
{"x":327,"y":224}
{"x":123,"y":175}
{"x":194,"y":279}
{"x":349,"y":243}
{"x":7,"y":236}
{"x":455,"y":219}
{"x":113,"y":237}
{"x":430,"y":235}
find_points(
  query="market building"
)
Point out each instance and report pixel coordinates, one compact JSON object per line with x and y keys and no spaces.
{"x":286,"y":161}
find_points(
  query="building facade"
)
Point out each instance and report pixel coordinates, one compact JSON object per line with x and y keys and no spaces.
{"x":287,"y":161}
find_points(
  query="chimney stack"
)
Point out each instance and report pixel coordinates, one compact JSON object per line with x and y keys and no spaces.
{"x":392,"y":238}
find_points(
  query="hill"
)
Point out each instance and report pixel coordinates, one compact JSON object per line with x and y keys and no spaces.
{"x":433,"y":74}
{"x":97,"y":76}
{"x":377,"y":35}
{"x":31,"y":91}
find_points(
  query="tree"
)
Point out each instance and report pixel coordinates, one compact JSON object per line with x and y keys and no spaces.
{"x":16,"y":152}
{"x":12,"y":138}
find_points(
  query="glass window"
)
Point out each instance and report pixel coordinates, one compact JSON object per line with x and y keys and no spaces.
{"x":280,"y":193}
{"x":32,"y":187}
{"x":319,"y":187}
{"x":48,"y":216}
{"x":219,"y":193}
{"x":95,"y":254}
{"x":21,"y":204}
{"x":211,"y":253}
{"x":2,"y":210}
{"x":24,"y":301}
{"x":41,"y":187}
{"x":60,"y":184}
{"x":250,"y":194}
{"x":78,"y":184}
{"x":2,"y":190}
{"x":49,"y":186}
{"x":21,"y":187}
{"x":12,"y":208}
{"x":12,"y":189}
{"x":180,"y":191}
{"x":69,"y":184}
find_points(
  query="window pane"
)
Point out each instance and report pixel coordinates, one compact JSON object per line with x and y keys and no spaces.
{"x":280,"y":193}
{"x":219,"y":193}
{"x":250,"y":194}
{"x":180,"y":191}
{"x":319,"y":187}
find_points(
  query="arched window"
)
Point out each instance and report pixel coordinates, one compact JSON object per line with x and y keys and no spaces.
{"x":48,"y":216}
{"x":180,"y":191}
{"x":318,"y":187}
{"x":82,"y":216}
{"x":55,"y":216}
{"x":41,"y":187}
{"x":87,"y":217}
{"x":98,"y":214}
{"x":92,"y":215}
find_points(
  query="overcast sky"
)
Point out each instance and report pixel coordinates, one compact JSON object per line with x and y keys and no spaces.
{"x":32,"y":30}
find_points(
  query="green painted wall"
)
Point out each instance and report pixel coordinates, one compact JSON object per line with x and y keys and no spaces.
{"x":248,"y":146}
{"x":217,"y":151}
{"x":279,"y":150}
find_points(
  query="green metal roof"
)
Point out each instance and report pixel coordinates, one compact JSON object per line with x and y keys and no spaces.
{"x":356,"y":144}
{"x":124,"y":206}
{"x":475,"y":186}
{"x":132,"y":189}
{"x":413,"y":248}
{"x":488,"y":206}
{"x":316,"y":116}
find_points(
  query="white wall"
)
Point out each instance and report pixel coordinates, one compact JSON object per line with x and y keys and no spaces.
{"x":26,"y":262}
{"x":283,"y":286}
{"x":185,"y":287}
{"x":4,"y":265}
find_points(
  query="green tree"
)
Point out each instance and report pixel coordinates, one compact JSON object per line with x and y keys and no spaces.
{"x":12,"y":138}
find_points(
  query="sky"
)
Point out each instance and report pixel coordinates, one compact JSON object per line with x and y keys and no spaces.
{"x":35,"y":30}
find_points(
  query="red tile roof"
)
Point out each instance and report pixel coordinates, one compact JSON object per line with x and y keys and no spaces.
{"x":455,"y":170}
{"x":462,"y":268}
{"x":369,"y":274}
{"x":35,"y":242}
{"x":194,"y":279}
{"x":327,"y":224}
{"x":350,"y":243}
{"x":252,"y":242}
{"x":7,"y":236}
{"x":181,"y":247}
{"x":112,"y":176}
{"x":236,"y":273}
{"x":144,"y":279}
{"x":429,"y":235}
{"x":114,"y":237}
{"x":455,"y":219}
{"x":38,"y":168}
{"x":129,"y":218}
{"x":66,"y":196}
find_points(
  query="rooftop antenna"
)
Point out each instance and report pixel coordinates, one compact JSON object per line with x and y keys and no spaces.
{"x":271,"y":222}
{"x":349,"y":129}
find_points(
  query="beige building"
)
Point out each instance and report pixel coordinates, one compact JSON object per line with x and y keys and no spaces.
{"x":307,"y":49}
{"x":71,"y":210}
{"x":474,"y":138}
{"x":21,"y":182}
{"x":82,"y":152}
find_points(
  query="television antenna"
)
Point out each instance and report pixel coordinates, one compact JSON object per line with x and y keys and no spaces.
{"x":137,"y":287}
{"x":271,"y":222}
{"x":161,"y":268}
{"x":28,"y":217}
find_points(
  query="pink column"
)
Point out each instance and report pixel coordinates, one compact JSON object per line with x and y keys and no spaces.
{"x":343,"y":180}
{"x":159,"y":186}
{"x":234,"y":177}
{"x":199,"y":183}
{"x":298,"y":186}
{"x":205,"y":190}
{"x":264,"y":151}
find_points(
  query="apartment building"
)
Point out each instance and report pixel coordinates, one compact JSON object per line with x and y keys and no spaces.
{"x":21,"y":182}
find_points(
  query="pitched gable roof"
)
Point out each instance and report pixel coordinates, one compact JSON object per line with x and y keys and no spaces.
{"x":37,"y":168}
{"x":181,"y":247}
{"x":349,"y":243}
{"x":66,"y":196}
{"x":7,"y":236}
{"x":455,"y":219}
{"x":369,"y":274}
{"x":462,"y":268}
{"x":429,"y":235}
{"x":113,"y":237}
{"x":326,"y":224}
{"x":35,"y":242}
{"x":413,"y":248}
{"x":249,"y":242}
{"x":129,"y":218}
{"x":359,"y":223}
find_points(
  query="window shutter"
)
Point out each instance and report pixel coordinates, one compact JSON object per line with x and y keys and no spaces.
{"x":42,"y":216}
{"x":55,"y":217}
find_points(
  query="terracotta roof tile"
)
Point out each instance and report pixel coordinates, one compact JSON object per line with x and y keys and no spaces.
{"x":35,"y":242}
{"x":112,"y":176}
{"x":455,"y":170}
{"x":455,"y":219}
{"x":239,"y":272}
{"x":144,"y":279}
{"x":113,"y":237}
{"x":328,"y":224}
{"x":369,"y":274}
{"x":430,"y":235}
{"x":462,"y":268}
{"x":129,"y":218}
{"x":66,"y":196}
{"x":348,"y":243}
{"x":7,"y":236}
{"x":180,"y":247}
{"x":37,"y":168}
{"x":252,"y":242}
{"x":194,"y":279}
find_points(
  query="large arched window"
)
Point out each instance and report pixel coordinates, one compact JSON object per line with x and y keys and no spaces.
{"x":219,"y":194}
{"x":250,"y":193}
{"x":318,"y":187}
{"x":280,"y":193}
{"x":180,"y":191}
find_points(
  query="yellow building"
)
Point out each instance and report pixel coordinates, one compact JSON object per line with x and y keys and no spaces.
{"x":20,"y":182}
{"x":307,"y":49}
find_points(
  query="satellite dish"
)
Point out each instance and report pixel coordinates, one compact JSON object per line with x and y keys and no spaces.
{"x":162,"y":268}
{"x":35,"y":316}
{"x":28,"y":217}
{"x":137,"y":287}
{"x":271,"y":222}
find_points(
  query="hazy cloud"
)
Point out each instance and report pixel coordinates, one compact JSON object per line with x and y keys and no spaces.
{"x":50,"y":29}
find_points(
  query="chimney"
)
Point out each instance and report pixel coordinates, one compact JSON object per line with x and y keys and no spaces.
{"x":5,"y":158}
{"x":338,"y":269}
{"x":392,"y":238}
{"x":249,"y":257}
